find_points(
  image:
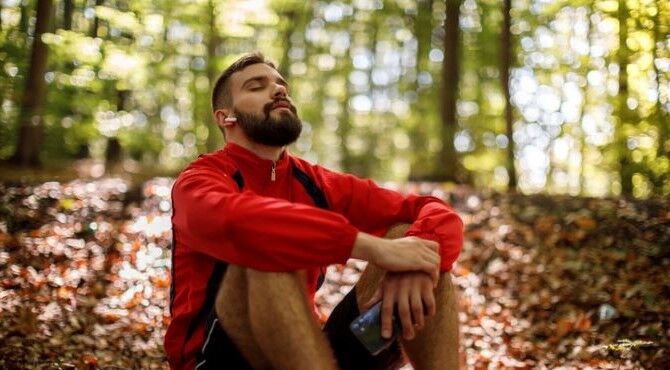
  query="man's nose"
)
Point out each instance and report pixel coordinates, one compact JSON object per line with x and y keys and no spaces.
{"x":280,"y":91}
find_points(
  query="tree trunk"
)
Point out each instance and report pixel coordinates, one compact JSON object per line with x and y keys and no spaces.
{"x":114,"y":150}
{"x":448,"y":168}
{"x":505,"y":66}
{"x":285,"y":39}
{"x":419,"y":131}
{"x":25,"y":17}
{"x":626,"y":169}
{"x":96,"y":20}
{"x":361,"y":164}
{"x":662,"y":117}
{"x":423,"y":30}
{"x":30,"y":121}
{"x":68,"y":11}
{"x":344,"y":125}
{"x":583,"y":149}
{"x":214,"y":138}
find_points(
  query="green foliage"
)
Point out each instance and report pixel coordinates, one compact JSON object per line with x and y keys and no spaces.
{"x":366,"y":77}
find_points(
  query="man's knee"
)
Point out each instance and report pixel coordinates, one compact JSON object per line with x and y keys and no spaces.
{"x":273,"y":279}
{"x":445,"y":284}
{"x":239,"y":282}
{"x":231,"y":297}
{"x":397,"y":231}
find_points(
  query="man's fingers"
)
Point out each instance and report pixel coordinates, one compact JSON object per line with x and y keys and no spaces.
{"x":434,"y":246}
{"x":434,"y":267}
{"x":387,"y":312}
{"x":376,"y":297}
{"x":428,"y":297}
{"x":431,"y":266}
{"x":405,"y":314}
{"x":417,"y":308}
{"x":432,"y":256}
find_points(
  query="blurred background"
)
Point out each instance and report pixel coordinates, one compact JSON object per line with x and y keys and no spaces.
{"x":563,"y":97}
{"x":517,"y":113}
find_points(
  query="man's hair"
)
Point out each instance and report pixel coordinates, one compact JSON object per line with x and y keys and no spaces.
{"x":221,"y":93}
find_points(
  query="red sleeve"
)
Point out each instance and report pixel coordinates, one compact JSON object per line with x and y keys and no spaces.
{"x":373,"y":209}
{"x":212,"y":217}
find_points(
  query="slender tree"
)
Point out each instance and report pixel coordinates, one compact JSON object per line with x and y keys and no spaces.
{"x":583,"y":148}
{"x":344,"y":120}
{"x":24,"y":19}
{"x":449,"y":168}
{"x":505,"y":66}
{"x":30,"y":120}
{"x":419,"y":130}
{"x":662,"y":116}
{"x":626,"y":169}
{"x":68,"y":11}
{"x":214,"y":41}
{"x":362,"y":165}
{"x":114,"y":151}
{"x":96,"y":21}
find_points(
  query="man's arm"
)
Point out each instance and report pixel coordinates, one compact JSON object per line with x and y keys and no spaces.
{"x":373,"y":209}
{"x":404,"y":254}
{"x":210,"y":216}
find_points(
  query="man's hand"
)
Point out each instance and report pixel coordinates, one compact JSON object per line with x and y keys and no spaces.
{"x":412,"y":293}
{"x":397,"y":255}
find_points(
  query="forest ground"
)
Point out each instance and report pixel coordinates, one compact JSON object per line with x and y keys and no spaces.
{"x":544,"y":281}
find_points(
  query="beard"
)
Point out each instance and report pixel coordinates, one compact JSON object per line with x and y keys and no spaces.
{"x":268,"y":130}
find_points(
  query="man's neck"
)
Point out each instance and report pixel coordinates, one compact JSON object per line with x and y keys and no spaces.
{"x":264,"y":151}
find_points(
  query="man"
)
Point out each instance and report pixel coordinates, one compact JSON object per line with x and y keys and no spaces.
{"x":254,"y":227}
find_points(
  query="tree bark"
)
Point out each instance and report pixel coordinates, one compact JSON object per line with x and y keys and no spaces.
{"x":583,"y":148}
{"x":214,"y":138}
{"x":626,"y":169}
{"x":419,"y":131}
{"x":344,"y":124}
{"x":114,"y":150}
{"x":448,"y":168}
{"x":30,"y":121}
{"x":361,"y":165}
{"x":663,"y":119}
{"x":288,"y":25}
{"x":68,"y":11}
{"x":25,"y":17}
{"x":505,"y":66}
{"x":96,"y":20}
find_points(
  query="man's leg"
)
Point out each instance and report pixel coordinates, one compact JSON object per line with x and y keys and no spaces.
{"x":436,"y":345}
{"x":232,"y":309}
{"x":273,"y":327}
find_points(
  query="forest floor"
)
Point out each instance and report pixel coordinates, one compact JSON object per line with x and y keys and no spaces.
{"x":544,"y":281}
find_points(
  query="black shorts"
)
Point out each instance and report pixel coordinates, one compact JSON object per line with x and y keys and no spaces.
{"x":219,"y":352}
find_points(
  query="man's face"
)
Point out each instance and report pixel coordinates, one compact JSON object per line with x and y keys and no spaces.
{"x":263,"y":109}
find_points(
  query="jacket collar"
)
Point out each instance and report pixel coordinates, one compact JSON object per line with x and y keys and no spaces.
{"x":251,"y":165}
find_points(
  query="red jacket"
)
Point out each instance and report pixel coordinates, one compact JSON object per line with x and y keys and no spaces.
{"x":273,"y":225}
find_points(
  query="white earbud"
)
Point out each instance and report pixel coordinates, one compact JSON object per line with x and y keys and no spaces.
{"x":230,"y":119}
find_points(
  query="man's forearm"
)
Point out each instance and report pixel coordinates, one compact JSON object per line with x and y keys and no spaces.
{"x":404,"y":254}
{"x":366,"y":247}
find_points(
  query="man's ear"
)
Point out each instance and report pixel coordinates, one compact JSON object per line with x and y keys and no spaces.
{"x":220,"y":116}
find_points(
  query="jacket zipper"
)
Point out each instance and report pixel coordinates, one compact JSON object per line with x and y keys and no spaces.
{"x":273,"y":175}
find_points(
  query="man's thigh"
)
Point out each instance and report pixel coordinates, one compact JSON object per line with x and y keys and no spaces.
{"x":227,"y":331}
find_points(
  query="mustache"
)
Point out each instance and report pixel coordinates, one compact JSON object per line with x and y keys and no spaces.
{"x":268,"y":106}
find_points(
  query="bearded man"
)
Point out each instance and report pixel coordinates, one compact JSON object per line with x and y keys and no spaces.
{"x":254,"y":228}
